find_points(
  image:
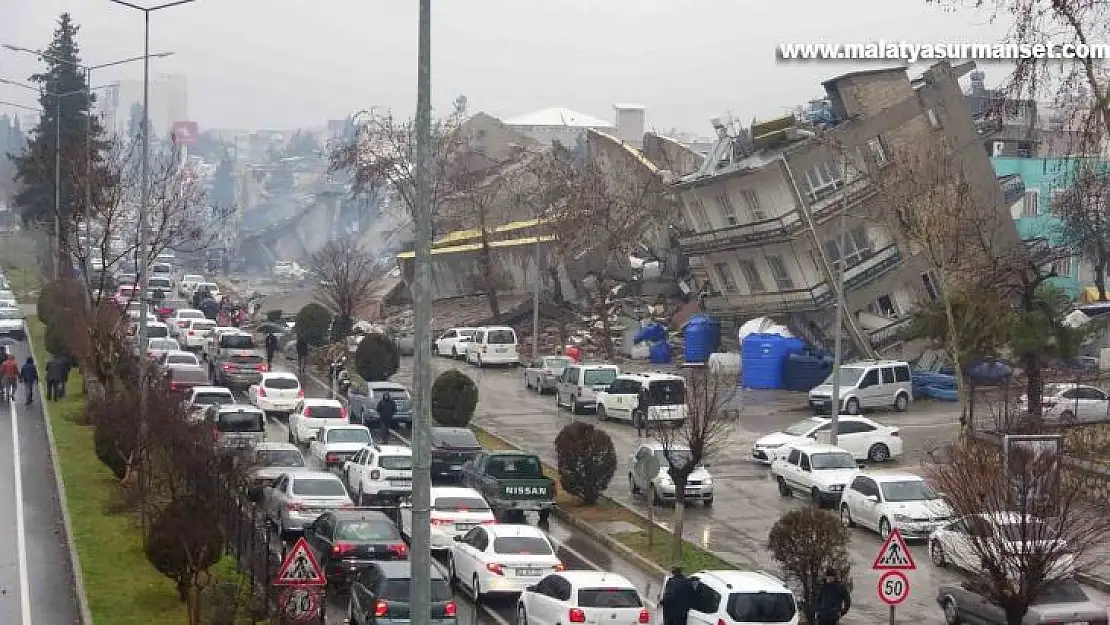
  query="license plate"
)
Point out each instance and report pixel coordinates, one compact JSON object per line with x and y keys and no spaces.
{"x":465,"y":527}
{"x":456,"y":467}
{"x":528,"y":572}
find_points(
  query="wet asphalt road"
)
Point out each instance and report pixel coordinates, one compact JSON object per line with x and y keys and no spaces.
{"x":36,"y":576}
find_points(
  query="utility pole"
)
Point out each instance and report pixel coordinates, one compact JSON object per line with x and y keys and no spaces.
{"x":421,"y":554}
{"x":838,"y":341}
{"x":536,"y":298}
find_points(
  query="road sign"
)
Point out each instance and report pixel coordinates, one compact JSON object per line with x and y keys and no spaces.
{"x":300,"y":604}
{"x":894,"y":555}
{"x":300,"y":568}
{"x":183,"y":133}
{"x":894,"y":587}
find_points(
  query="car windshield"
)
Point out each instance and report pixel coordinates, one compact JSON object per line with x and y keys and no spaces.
{"x":908,"y":490}
{"x":154,"y":331}
{"x":161,"y":283}
{"x":237,"y":341}
{"x":678,"y":457}
{"x":832,"y":461}
{"x":310,"y":487}
{"x":367,"y":531}
{"x":514,"y":467}
{"x":1052,"y":390}
{"x":279,"y":458}
{"x":501,"y":337}
{"x":252,"y":359}
{"x":396,"y":463}
{"x":558,"y":362}
{"x":163,"y":344}
{"x":280,"y":383}
{"x":212,"y":399}
{"x":522,"y":546}
{"x":394,"y":392}
{"x":460,"y":504}
{"x":1063,"y":591}
{"x":456,"y":438}
{"x":191,"y":375}
{"x":466,"y":333}
{"x":591,"y":377}
{"x":398,"y":590}
{"x":803,"y":427}
{"x":202,"y":325}
{"x":849,"y":376}
{"x":10,"y":313}
{"x":190,"y":314}
{"x":667,"y":392}
{"x":761,"y":607}
{"x":323,"y":412}
{"x":241,"y":422}
{"x":349,"y":435}
{"x":181,"y":359}
{"x":608,"y":598}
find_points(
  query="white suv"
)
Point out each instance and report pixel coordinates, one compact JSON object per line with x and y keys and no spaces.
{"x":867,"y":384}
{"x":660,"y":487}
{"x":379,"y":472}
{"x":741,"y":597}
{"x":666,"y":394}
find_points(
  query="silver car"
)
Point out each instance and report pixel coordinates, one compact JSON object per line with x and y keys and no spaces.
{"x":238,"y":427}
{"x":1062,"y":601}
{"x":297,"y":498}
{"x":272,"y":460}
{"x":543,"y":373}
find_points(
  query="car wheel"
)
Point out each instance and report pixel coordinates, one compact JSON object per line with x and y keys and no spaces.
{"x":454,"y":353}
{"x":601,"y":416}
{"x":951,"y":613}
{"x":901,"y":402}
{"x":521,"y":616}
{"x":936,"y":553}
{"x":852,"y":406}
{"x":884,"y":528}
{"x":784,"y":489}
{"x":1067,"y":417}
{"x":846,"y":516}
{"x":815,"y":497}
{"x":878,"y":453}
{"x":575,"y":407}
{"x":452,"y":573}
{"x":632,"y":485}
{"x":475,"y":590}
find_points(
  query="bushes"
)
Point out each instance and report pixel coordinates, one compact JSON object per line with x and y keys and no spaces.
{"x":274,"y":316}
{"x":806,"y":542}
{"x":587,"y":460}
{"x":57,"y":342}
{"x":377,"y":358}
{"x":312,"y":324}
{"x":454,"y":398}
{"x":58,"y":300}
{"x":183,"y":543}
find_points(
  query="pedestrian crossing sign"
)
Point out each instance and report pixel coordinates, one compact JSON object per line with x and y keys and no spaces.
{"x":300,"y":567}
{"x":894,"y":555}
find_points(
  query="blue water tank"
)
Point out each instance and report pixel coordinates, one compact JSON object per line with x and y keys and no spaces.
{"x":659,"y":353}
{"x":651,"y":333}
{"x":764,"y":359}
{"x":803,"y":371}
{"x":703,"y":335}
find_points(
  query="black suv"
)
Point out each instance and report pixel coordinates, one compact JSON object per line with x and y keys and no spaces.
{"x":451,"y":449}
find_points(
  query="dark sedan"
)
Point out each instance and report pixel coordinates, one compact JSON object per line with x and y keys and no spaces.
{"x":346,"y":541}
{"x":451,"y":449}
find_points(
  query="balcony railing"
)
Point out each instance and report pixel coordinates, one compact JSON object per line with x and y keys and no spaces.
{"x":852,"y":193}
{"x":889,"y":334}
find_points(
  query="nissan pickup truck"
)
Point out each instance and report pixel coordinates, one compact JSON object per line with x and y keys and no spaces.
{"x":512,"y":482}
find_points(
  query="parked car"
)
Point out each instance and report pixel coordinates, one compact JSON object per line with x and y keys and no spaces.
{"x":381,"y":595}
{"x":881,"y":501}
{"x":502,"y":559}
{"x":452,"y":342}
{"x":299,"y":497}
{"x":379,"y":473}
{"x":543,"y":373}
{"x":334,"y":445}
{"x":11,"y":323}
{"x":963,"y":542}
{"x":660,"y":486}
{"x":866,"y":439}
{"x":451,"y":449}
{"x":512,"y":482}
{"x":363,"y":400}
{"x":312,"y":414}
{"x":579,"y":385}
{"x":820,"y":472}
{"x":347,"y":541}
{"x":1071,"y":403}
{"x":455,"y":511}
{"x":496,"y":345}
{"x":666,"y":395}
{"x":583,"y":597}
{"x":277,"y":392}
{"x":866,"y":385}
{"x":1059,"y":602}
{"x":742,"y":597}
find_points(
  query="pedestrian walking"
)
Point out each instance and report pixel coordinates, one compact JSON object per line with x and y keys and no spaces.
{"x":271,"y":347}
{"x":643,"y":401}
{"x":387,"y":408}
{"x":833,"y":599}
{"x":55,"y":369}
{"x":10,"y":372}
{"x":29,"y":375}
{"x":302,"y":354}
{"x":678,"y":596}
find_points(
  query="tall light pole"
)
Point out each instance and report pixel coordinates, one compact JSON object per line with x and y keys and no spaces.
{"x":422,"y":312}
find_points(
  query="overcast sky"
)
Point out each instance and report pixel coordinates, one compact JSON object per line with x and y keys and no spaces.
{"x":296,"y":63}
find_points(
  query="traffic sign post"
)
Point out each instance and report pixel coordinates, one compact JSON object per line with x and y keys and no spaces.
{"x":299,"y":604}
{"x":893,"y":558}
{"x":300,"y":567}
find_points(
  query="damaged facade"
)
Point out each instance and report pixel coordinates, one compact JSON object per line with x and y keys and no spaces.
{"x":763,"y":228}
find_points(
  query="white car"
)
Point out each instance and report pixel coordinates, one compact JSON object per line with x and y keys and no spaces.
{"x":277,"y":391}
{"x":334,"y":445}
{"x":455,"y":511}
{"x":8,"y":303}
{"x":502,"y":559}
{"x":212,"y":288}
{"x":11,"y":323}
{"x":178,"y":357}
{"x":1071,"y":403}
{"x":590,"y":597}
{"x":195,"y":332}
{"x":865,"y":439}
{"x":963,"y":543}
{"x":181,"y":316}
{"x":212,"y":341}
{"x":881,"y":501}
{"x":452,"y":342}
{"x":156,"y":347}
{"x":379,"y":472}
{"x":660,"y":487}
{"x":820,"y":472}
{"x":312,"y":414}
{"x":189,"y":284}
{"x":199,"y":398}
{"x":741,"y":598}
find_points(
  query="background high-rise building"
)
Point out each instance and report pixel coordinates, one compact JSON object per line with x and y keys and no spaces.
{"x":169,"y":103}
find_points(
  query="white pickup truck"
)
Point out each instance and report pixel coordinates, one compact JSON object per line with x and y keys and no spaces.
{"x":820,"y":472}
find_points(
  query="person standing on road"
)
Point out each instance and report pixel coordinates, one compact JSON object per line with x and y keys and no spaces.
{"x":640,"y":418}
{"x":386,"y":409}
{"x":678,"y":596}
{"x":302,"y":353}
{"x":54,"y":372}
{"x":29,"y":375}
{"x":833,"y":599}
{"x":10,"y":371}
{"x":271,"y":347}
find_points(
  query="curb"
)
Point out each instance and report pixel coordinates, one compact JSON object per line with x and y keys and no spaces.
{"x":67,"y":522}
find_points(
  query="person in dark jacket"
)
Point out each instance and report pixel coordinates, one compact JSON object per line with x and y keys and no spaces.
{"x":302,"y":353}
{"x":67,"y":366}
{"x":678,"y":598}
{"x":55,"y":370}
{"x":640,"y":418}
{"x":833,"y":599}
{"x":387,"y":408}
{"x":271,"y":347}
{"x":29,"y":375}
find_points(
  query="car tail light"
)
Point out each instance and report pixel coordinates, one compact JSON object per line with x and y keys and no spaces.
{"x":721,"y":621}
{"x":263,"y":367}
{"x":308,"y":411}
{"x":489,"y":522}
{"x":300,"y":393}
{"x":227,"y":366}
{"x":150,"y":354}
{"x":375,"y":474}
{"x":215,"y":434}
{"x":644,"y":616}
{"x":401,"y":550}
{"x":381,"y":609}
{"x":343,"y":413}
{"x":560,"y":567}
{"x":577,"y":615}
{"x":450,"y":609}
{"x":331,"y":458}
{"x":261,"y":391}
{"x":292,"y":505}
{"x":174,"y":386}
{"x":342,"y":548}
{"x":442,"y":522}
{"x":495,"y":568}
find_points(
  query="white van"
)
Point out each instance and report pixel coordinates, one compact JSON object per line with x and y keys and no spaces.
{"x":867,"y":384}
{"x":495,"y":345}
{"x":666,"y":395}
{"x":579,"y":385}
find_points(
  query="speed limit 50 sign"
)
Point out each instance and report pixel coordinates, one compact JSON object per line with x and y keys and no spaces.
{"x":894,"y":587}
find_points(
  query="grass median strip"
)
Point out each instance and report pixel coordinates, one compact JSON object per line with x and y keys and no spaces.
{"x":606,"y":510}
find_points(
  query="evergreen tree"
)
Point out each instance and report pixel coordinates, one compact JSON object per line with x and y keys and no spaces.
{"x":35,"y":165}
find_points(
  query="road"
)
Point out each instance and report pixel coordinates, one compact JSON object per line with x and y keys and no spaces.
{"x":36,"y":575}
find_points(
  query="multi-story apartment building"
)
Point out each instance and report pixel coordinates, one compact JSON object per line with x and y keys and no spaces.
{"x":775,"y":212}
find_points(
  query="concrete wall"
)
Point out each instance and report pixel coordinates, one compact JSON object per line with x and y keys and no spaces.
{"x":668,"y":154}
{"x":454,"y":273}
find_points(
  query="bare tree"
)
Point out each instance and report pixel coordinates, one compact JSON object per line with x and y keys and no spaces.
{"x":346,"y":274}
{"x":1031,"y":519}
{"x":1084,"y":213}
{"x":697,"y":438}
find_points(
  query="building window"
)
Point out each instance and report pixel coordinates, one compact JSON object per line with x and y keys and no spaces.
{"x":855,"y":247}
{"x":727,"y":211}
{"x":823,"y":178}
{"x":1062,"y":267}
{"x":878,"y":152}
{"x":1029,"y":203}
{"x":778,"y":270}
{"x":885,"y":306}
{"x":724,"y":276}
{"x":751,"y":200}
{"x":931,"y":284}
{"x":700,"y":215}
{"x":751,"y":276}
{"x":934,"y":119}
